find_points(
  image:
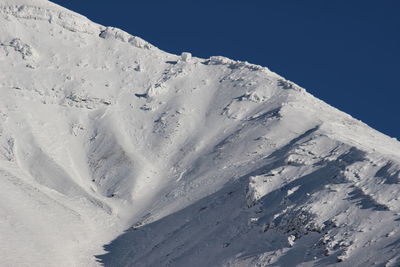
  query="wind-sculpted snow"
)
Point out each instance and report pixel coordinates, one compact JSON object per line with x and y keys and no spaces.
{"x":114,"y":152}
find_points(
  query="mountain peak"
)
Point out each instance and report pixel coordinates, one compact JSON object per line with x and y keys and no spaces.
{"x":110,"y":147}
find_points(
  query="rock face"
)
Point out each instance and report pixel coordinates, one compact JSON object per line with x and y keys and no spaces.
{"x":115,"y":152}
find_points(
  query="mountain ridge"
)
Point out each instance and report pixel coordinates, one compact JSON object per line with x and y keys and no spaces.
{"x":208,"y":161}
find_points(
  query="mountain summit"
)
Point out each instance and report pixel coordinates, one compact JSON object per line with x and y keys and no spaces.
{"x":114,"y":152}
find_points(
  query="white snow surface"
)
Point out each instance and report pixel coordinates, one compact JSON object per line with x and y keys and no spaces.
{"x":115,"y":153}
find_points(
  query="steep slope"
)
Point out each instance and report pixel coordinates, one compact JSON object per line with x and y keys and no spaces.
{"x":206,"y":162}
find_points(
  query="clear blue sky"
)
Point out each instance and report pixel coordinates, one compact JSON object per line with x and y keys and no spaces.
{"x":345,"y":52}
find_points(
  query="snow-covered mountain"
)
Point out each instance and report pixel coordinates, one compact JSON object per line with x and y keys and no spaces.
{"x":114,"y":152}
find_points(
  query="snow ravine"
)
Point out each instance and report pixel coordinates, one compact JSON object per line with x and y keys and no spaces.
{"x":114,"y":152}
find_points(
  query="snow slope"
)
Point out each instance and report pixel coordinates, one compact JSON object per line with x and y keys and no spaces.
{"x":114,"y":152}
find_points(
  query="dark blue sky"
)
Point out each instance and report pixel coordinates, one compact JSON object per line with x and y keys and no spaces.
{"x":345,"y":52}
